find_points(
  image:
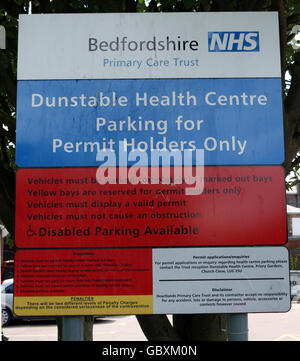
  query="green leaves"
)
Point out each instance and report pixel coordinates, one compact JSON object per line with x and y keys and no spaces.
{"x":188,"y":4}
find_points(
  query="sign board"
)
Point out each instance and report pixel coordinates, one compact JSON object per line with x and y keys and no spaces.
{"x":64,"y":123}
{"x":237,"y":206}
{"x":83,"y":281}
{"x":213,"y":84}
{"x":94,"y":83}
{"x":146,"y":281}
{"x":2,"y":37}
{"x":221,"y":280}
{"x":131,"y":46}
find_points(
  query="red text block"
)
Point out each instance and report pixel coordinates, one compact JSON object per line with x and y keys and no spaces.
{"x":239,"y":205}
{"x":83,"y":282}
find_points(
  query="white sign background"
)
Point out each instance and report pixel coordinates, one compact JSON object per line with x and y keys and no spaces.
{"x":221,"y":280}
{"x":56,"y":46}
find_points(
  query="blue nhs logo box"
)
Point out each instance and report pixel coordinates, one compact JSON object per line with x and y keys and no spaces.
{"x":233,"y":41}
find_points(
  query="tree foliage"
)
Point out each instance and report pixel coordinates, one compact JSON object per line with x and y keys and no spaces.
{"x":289,"y":16}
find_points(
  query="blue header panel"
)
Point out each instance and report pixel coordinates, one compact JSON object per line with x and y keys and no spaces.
{"x":67,"y":122}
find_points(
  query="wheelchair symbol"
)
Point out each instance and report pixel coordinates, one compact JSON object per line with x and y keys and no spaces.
{"x":30,"y":232}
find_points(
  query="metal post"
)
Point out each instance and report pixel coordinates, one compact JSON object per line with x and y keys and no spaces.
{"x":72,"y":328}
{"x":237,"y":326}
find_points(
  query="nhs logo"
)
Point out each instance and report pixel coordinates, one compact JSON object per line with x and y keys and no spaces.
{"x":233,"y":41}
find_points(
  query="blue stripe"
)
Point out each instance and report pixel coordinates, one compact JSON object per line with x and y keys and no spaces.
{"x":225,"y":127}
